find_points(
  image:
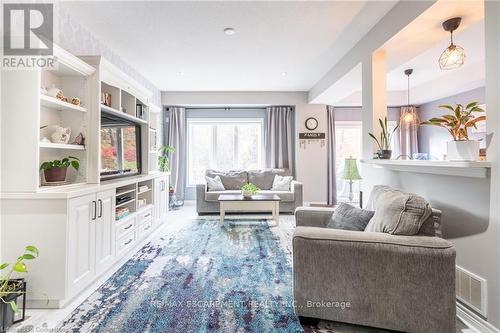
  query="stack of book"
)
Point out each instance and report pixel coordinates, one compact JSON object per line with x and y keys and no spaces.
{"x":121,"y":212}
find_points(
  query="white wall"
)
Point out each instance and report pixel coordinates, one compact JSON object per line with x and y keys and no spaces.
{"x":310,"y":162}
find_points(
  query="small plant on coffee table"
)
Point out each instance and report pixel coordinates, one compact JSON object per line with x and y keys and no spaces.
{"x":249,"y":189}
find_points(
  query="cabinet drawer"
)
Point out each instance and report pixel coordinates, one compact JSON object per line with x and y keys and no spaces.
{"x":126,"y":242}
{"x":144,"y":216}
{"x":145,"y":228}
{"x":124,"y":227}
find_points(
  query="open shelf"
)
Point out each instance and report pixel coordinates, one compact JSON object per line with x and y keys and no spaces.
{"x":145,"y":191}
{"x":122,"y":192}
{"x":125,"y":203}
{"x":475,"y":169}
{"x":56,"y":104}
{"x":60,"y":146}
{"x":123,"y":115}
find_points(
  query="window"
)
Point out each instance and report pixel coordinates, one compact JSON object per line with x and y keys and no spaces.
{"x":223,"y":144}
{"x":348,"y":144}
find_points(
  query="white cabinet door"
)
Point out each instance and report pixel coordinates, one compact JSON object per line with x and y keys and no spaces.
{"x":105,"y":231}
{"x":158,"y":185}
{"x":81,"y":242}
{"x":165,"y":199}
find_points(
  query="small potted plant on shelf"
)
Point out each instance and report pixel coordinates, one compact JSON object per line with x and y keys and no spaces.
{"x":163,"y":160}
{"x":457,"y":124}
{"x":249,"y":189}
{"x":13,"y":288}
{"x":384,"y":142}
{"x":55,"y":171}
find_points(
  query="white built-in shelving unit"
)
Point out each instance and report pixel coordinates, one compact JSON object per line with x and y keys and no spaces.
{"x":76,"y":225}
{"x":155,"y":119}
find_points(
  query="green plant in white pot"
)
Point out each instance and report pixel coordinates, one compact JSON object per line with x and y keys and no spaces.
{"x":249,"y":189}
{"x":458,"y":124}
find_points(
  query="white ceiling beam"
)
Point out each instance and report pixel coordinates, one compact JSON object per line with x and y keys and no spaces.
{"x":398,"y":17}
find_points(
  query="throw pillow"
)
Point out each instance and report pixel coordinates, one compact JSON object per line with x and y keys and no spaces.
{"x":348,"y":217}
{"x":214,"y":184}
{"x":281,"y":183}
{"x":399,"y":213}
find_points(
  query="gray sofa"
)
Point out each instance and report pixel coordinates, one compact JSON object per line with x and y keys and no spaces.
{"x":403,"y":283}
{"x":207,"y":203}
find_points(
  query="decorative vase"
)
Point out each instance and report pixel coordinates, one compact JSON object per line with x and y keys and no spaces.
{"x":384,"y":154}
{"x":55,"y":174}
{"x":466,"y":150}
{"x":246,"y":193}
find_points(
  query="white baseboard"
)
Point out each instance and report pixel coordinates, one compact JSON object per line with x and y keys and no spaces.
{"x":473,"y":321}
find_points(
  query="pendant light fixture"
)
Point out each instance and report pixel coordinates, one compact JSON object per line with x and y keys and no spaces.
{"x":409,"y":114}
{"x":454,"y":56}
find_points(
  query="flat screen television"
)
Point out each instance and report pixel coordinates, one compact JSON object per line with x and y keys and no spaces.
{"x":120,"y":147}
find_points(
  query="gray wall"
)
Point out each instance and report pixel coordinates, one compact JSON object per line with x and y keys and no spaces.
{"x":431,"y":139}
{"x":465,"y":202}
{"x":344,"y":113}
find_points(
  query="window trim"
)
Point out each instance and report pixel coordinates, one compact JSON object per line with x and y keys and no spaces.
{"x":218,"y":120}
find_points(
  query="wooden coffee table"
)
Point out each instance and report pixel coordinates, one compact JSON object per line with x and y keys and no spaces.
{"x":257,"y":203}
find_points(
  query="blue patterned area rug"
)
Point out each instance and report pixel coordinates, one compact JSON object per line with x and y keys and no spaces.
{"x":202,"y":278}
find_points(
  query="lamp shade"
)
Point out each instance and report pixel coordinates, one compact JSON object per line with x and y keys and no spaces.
{"x":351,"y":169}
{"x":453,"y":57}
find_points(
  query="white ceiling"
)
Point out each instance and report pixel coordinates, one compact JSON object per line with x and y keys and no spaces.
{"x":428,"y":82}
{"x":161,"y":40}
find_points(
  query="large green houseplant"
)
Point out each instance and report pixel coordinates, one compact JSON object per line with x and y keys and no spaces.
{"x":11,"y":288}
{"x":384,"y":141}
{"x":55,"y":171}
{"x":457,"y":123}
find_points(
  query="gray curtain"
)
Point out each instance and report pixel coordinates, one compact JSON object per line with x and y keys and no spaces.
{"x":331,"y":177}
{"x":176,"y":137}
{"x":408,"y":131}
{"x":278,"y":136}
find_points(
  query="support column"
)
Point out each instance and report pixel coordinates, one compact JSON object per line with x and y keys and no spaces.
{"x":374,"y":86}
{"x":492,"y":244}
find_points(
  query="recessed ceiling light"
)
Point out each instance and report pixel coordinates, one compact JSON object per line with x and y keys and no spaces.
{"x":283,"y":73}
{"x":229,"y":31}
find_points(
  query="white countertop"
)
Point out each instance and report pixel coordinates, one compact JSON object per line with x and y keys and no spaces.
{"x":71,"y":191}
{"x":476,"y":169}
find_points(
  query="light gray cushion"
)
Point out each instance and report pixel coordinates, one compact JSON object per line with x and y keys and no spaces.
{"x":263,"y":179}
{"x":285,"y":196}
{"x":214,"y":195}
{"x":214,"y":184}
{"x":375,"y":194}
{"x":281,"y":183}
{"x":231,"y":179}
{"x":348,"y":217}
{"x":399,"y":213}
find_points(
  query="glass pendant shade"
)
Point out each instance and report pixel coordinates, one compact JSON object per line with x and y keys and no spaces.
{"x":453,"y":57}
{"x":409,"y":116}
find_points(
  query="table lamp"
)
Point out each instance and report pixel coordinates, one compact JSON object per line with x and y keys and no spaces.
{"x":351,"y":173}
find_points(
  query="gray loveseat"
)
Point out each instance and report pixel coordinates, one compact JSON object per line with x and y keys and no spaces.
{"x":207,"y":203}
{"x":403,"y":283}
